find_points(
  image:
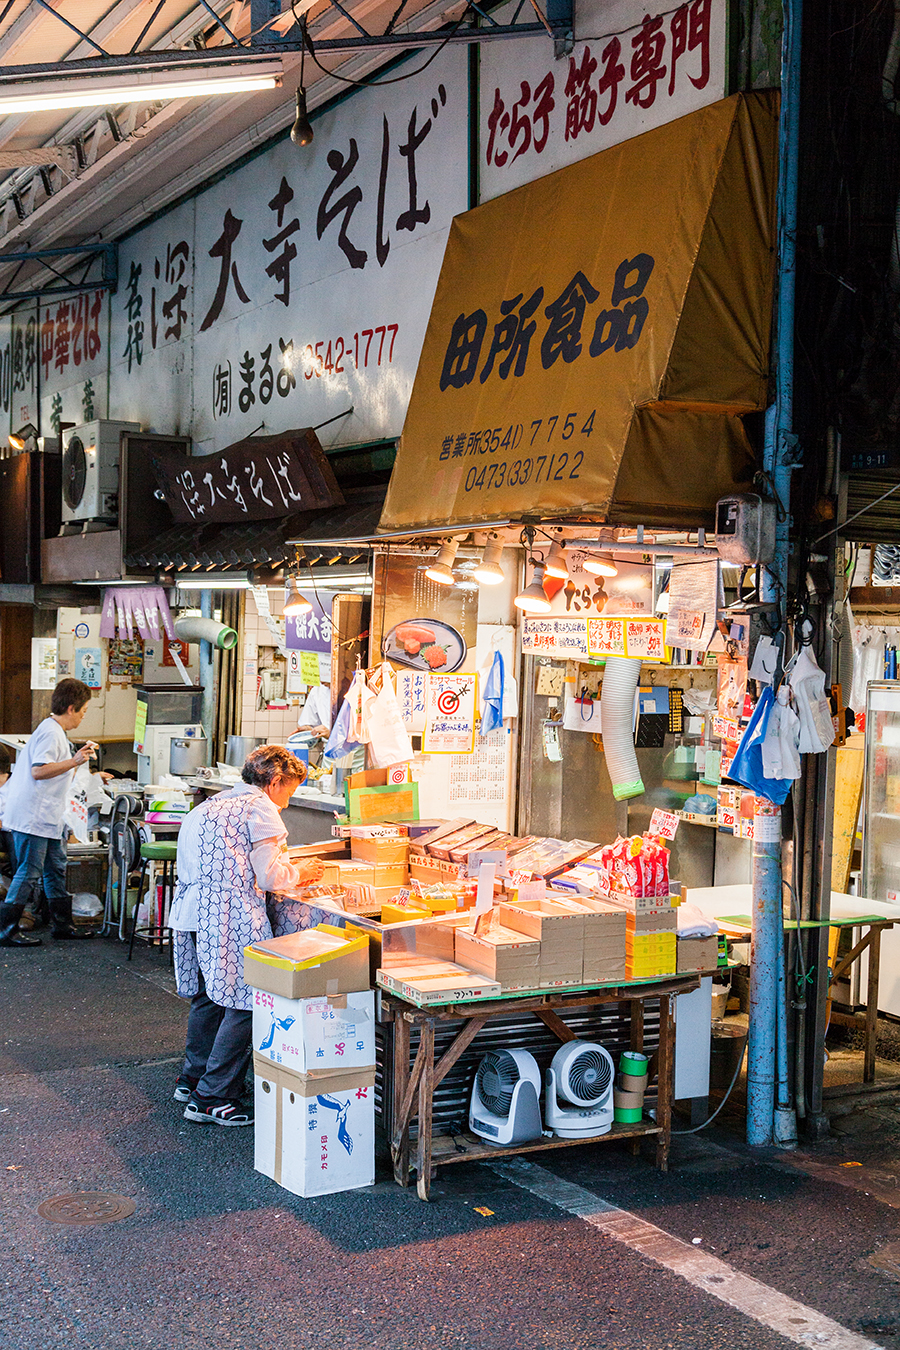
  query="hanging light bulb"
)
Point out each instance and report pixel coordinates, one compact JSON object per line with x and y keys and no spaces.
{"x":600,"y":564}
{"x":301,"y":131}
{"x":555,"y":563}
{"x":488,"y":571}
{"x":533,"y":600}
{"x":294,"y":602}
{"x":440,"y":569}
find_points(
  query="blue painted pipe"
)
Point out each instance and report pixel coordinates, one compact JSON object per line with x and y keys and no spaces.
{"x":768,"y":1014}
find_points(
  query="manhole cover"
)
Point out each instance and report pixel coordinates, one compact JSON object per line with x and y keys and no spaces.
{"x":86,"y":1207}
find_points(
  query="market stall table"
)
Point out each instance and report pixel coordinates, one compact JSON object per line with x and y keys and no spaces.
{"x":870,"y":942}
{"x":413,"y":1087}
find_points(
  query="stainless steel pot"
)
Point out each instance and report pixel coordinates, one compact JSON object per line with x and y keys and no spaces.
{"x":237,"y":749}
{"x":187,"y":754}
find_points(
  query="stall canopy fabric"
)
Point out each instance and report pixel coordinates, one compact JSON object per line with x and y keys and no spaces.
{"x":597,"y":335}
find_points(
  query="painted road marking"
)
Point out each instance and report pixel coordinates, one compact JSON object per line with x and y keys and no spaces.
{"x":795,"y":1321}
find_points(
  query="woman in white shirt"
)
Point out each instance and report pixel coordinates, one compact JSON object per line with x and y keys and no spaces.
{"x":230,"y":853}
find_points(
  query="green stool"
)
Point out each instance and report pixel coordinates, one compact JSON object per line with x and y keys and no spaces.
{"x":164,"y":853}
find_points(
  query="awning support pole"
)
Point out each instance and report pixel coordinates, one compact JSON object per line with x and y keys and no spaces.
{"x":768,"y":1013}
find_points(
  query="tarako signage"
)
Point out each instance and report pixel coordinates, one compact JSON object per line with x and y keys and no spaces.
{"x":597,"y":334}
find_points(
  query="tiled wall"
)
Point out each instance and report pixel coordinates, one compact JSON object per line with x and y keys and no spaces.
{"x":274,"y":724}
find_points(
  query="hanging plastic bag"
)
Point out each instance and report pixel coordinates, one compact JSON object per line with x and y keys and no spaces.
{"x":75,"y":816}
{"x":339,"y":745}
{"x":388,"y":738}
{"x":491,"y":685}
{"x":781,"y":744}
{"x":747,"y":766}
{"x":807,"y":683}
{"x":360,"y":699}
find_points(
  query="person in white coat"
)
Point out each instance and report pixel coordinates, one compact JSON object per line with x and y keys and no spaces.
{"x":231,"y":852}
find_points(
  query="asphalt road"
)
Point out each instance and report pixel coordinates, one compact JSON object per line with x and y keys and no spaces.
{"x":215,"y":1255}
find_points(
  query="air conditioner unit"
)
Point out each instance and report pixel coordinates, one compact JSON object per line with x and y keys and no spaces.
{"x":90,"y":472}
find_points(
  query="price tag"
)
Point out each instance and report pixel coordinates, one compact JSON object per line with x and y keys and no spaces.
{"x":664,"y":823}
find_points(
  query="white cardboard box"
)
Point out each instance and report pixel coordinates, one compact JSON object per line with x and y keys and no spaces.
{"x":315,"y":1134}
{"x":309,"y":1035}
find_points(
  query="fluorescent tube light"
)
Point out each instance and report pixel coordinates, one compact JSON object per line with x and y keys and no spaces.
{"x":139,"y":87}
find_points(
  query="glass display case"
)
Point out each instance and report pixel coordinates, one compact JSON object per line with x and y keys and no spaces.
{"x":881,"y":825}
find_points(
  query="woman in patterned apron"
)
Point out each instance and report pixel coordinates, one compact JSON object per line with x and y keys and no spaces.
{"x":231,"y":851}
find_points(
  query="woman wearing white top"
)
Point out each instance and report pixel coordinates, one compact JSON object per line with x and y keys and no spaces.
{"x":230,"y":853}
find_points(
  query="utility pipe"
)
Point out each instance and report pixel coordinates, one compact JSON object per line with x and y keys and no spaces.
{"x":767,"y":992}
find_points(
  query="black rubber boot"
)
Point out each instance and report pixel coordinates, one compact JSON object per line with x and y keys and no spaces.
{"x":10,"y":935}
{"x":62,"y":927}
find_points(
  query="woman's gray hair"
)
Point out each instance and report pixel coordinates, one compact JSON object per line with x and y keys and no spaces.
{"x":267,"y":764}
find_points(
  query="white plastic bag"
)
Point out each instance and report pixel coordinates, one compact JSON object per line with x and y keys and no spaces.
{"x":781,"y":744}
{"x":807,"y":683}
{"x":388,"y":739}
{"x":75,"y":817}
{"x":360,"y":698}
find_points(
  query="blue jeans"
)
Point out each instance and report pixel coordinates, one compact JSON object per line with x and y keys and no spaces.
{"x":38,"y":858}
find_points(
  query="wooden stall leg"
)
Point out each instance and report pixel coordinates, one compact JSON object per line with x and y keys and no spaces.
{"x":664,"y":1080}
{"x":400,"y":1083}
{"x":636,"y":1027}
{"x":426,"y":1097}
{"x":872,"y":1005}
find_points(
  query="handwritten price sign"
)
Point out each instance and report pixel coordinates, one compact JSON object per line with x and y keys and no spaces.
{"x":664,"y":823}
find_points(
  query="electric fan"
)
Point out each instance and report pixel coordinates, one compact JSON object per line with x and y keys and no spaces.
{"x":504,"y":1107}
{"x":579,"y":1098}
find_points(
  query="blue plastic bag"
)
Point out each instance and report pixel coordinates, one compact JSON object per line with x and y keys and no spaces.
{"x":338,"y":744}
{"x":747,"y":766}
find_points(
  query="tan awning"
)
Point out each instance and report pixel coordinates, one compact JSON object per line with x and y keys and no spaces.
{"x":596,"y":335}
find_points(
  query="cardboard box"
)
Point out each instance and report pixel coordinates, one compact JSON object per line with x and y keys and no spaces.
{"x":560,"y":932}
{"x":309,"y":1035}
{"x":308,"y":964}
{"x":662,"y":921}
{"x":428,"y":871}
{"x":650,"y":942}
{"x":433,"y":831}
{"x":697,"y":953}
{"x":314,"y":1134}
{"x":368,"y":899}
{"x":510,"y":958}
{"x":358,"y":873}
{"x":440,"y":848}
{"x":381,"y":852}
{"x":428,"y":982}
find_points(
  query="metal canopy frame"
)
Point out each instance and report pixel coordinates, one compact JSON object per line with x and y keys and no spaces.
{"x":106,"y":253}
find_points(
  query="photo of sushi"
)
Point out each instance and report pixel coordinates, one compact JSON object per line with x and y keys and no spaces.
{"x":425,"y":644}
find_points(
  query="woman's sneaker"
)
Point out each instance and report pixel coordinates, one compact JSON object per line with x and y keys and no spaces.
{"x":230,"y":1113}
{"x":183,"y":1089}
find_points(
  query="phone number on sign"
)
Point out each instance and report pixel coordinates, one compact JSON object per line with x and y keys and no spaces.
{"x":377,"y":342}
{"x":552,"y":468}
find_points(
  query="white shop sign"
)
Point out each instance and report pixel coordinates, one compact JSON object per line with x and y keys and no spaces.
{"x":300,"y":285}
{"x":635,"y":67}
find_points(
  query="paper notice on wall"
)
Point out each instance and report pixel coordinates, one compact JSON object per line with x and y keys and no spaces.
{"x":43,"y":663}
{"x":606,"y":637}
{"x":695,"y":597}
{"x":450,"y":708}
{"x":411,"y":698}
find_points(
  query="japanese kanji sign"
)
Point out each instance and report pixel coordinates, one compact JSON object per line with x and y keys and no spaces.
{"x":258,"y":479}
{"x":636,"y":67}
{"x":603,"y":375}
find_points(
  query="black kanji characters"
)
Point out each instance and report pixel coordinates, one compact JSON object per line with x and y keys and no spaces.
{"x":222,"y":248}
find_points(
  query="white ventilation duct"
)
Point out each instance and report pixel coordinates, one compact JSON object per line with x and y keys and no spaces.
{"x":194,"y":628}
{"x":620,"y":679}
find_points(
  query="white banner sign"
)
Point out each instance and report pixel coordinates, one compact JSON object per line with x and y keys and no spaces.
{"x":637,"y":68}
{"x":299,"y":286}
